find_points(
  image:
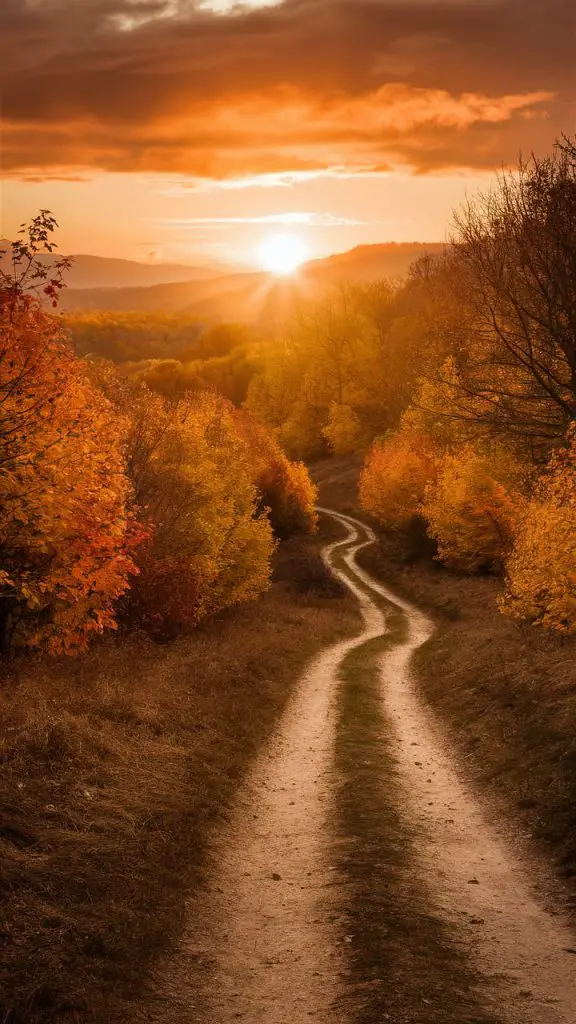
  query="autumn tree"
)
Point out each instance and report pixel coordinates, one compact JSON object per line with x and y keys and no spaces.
{"x":192,"y":473}
{"x":286,"y":492}
{"x":509,"y":280}
{"x":395,"y":476}
{"x":342,"y":373}
{"x":66,"y":531}
{"x":541,"y":569}
{"x":472,"y":505}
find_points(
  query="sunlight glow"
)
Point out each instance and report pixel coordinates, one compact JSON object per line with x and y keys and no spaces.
{"x":282,"y":254}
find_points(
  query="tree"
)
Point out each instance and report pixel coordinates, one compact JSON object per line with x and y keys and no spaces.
{"x":541,"y":569}
{"x":395,"y":476}
{"x":471,"y":507}
{"x":511,"y":272}
{"x":286,"y":491}
{"x":66,"y":531}
{"x":209,"y":543}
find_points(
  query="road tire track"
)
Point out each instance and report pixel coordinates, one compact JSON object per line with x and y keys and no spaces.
{"x":268,"y":939}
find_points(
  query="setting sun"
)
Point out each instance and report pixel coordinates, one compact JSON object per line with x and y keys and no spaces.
{"x":282,"y":254}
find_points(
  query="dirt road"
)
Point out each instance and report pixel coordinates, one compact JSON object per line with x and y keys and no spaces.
{"x":274,"y":942}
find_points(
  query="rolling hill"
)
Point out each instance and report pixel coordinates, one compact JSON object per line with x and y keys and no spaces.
{"x":258,"y":297}
{"x":102,"y":272}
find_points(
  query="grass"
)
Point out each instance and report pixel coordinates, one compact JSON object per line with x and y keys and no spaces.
{"x":115,"y":768}
{"x":506,"y":692}
{"x":405,"y":966}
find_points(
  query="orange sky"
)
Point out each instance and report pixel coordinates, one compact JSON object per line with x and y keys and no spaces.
{"x":189,"y":130}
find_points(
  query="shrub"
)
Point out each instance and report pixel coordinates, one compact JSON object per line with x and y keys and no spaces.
{"x":395,"y":476}
{"x":471,"y":507}
{"x":541,"y":570}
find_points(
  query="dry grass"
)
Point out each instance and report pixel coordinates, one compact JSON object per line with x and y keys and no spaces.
{"x":114,"y":769}
{"x":507,"y":692}
{"x":405,"y":963}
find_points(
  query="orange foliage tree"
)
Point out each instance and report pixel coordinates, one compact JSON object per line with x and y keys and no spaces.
{"x":541,"y":569}
{"x":65,"y":526}
{"x":285,"y":488}
{"x":395,"y":476}
{"x":471,"y":507}
{"x":209,"y":544}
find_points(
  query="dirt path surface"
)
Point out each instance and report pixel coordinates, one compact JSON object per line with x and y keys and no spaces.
{"x":272,"y":935}
{"x":475,"y":880}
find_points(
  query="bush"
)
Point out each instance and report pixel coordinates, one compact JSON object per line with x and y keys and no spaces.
{"x":395,"y":476}
{"x":541,"y":569}
{"x":471,"y":508}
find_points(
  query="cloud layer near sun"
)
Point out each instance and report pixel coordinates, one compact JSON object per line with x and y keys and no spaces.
{"x":303,"y":85}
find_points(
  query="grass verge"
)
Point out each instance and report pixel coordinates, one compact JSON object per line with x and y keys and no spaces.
{"x":115,"y":767}
{"x":507,"y":692}
{"x":405,"y":966}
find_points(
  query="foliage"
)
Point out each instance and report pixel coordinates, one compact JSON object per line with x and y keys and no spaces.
{"x":541,"y":570}
{"x":395,"y":476}
{"x":66,"y":530}
{"x":192,"y":475}
{"x":471,"y":508}
{"x":343,"y":373}
{"x":285,"y":489}
{"x":343,"y":430}
{"x":170,"y":353}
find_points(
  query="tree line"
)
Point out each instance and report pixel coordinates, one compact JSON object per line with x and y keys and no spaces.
{"x":461,"y":383}
{"x":122,"y":507}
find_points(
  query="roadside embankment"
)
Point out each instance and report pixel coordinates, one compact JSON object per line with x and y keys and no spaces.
{"x":115,"y":768}
{"x":507,"y":692}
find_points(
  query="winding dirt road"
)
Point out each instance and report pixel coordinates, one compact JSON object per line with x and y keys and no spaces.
{"x":274,"y":935}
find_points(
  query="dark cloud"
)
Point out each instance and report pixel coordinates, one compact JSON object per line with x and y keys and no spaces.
{"x":167,"y":85}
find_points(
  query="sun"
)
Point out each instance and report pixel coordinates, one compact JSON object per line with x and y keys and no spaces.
{"x":282,"y":254}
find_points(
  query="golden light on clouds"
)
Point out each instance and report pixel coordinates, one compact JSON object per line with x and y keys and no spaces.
{"x":350,"y":121}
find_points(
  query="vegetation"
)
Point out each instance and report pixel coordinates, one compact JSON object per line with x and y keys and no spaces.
{"x":484,"y":453}
{"x":115,"y":767}
{"x":170,"y":353}
{"x":118,"y":504}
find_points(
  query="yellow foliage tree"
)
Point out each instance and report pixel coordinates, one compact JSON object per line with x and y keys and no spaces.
{"x":395,"y":476}
{"x":344,"y":431}
{"x":541,"y":569}
{"x":192,"y":473}
{"x":65,"y":525}
{"x":471,"y":507}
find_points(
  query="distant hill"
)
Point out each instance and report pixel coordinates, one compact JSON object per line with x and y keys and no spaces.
{"x":257,"y":298}
{"x":90,"y":272}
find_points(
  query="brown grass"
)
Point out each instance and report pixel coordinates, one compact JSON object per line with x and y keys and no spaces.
{"x":508,"y":695}
{"x":507,"y":692}
{"x":115,"y":767}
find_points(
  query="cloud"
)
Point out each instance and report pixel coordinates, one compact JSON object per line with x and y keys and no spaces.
{"x":323,"y":220}
{"x":293,"y":88}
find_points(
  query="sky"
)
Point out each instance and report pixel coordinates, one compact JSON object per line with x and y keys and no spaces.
{"x":191,"y":130}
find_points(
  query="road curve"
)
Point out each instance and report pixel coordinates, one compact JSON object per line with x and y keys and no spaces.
{"x":268,"y":931}
{"x":496,"y":905}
